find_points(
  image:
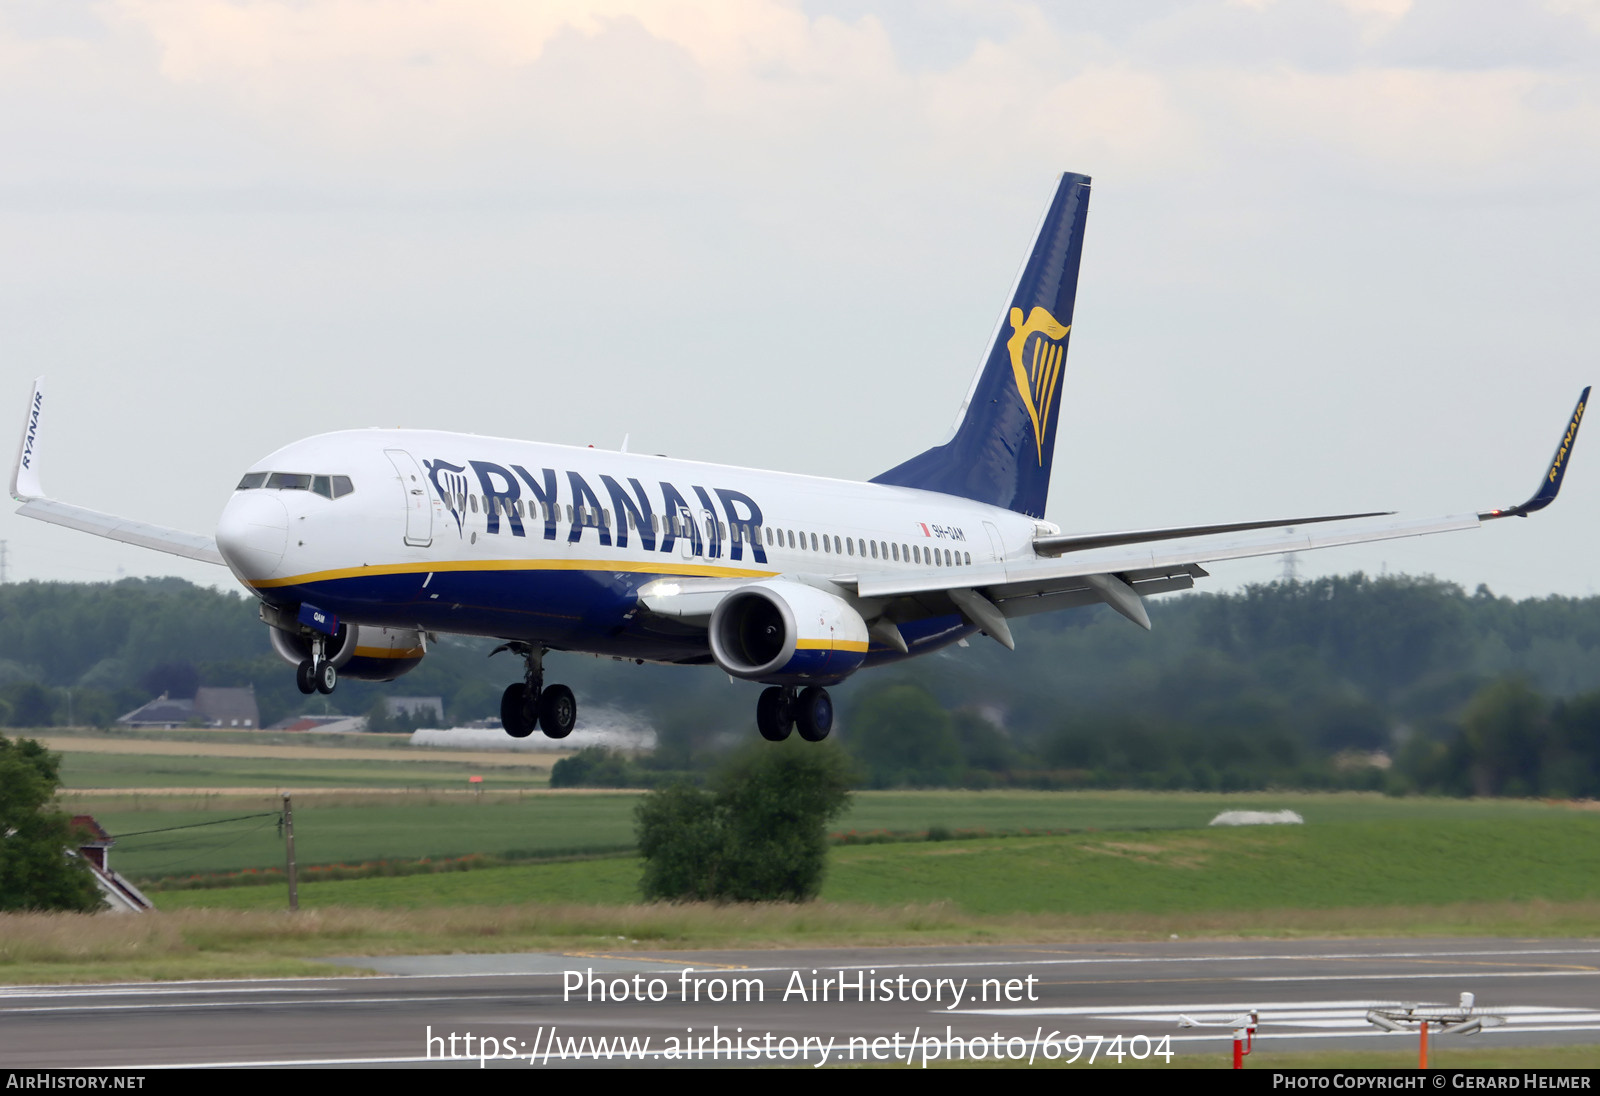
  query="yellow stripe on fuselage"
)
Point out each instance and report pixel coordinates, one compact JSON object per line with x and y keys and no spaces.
{"x":615,"y":566}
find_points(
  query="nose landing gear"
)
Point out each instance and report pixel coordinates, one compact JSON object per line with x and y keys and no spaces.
{"x":531,"y":702}
{"x":781,"y":710}
{"x":316,"y":674}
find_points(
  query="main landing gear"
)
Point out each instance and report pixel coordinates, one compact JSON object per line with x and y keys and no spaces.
{"x":781,"y":710}
{"x":316,"y":674}
{"x":531,"y":702}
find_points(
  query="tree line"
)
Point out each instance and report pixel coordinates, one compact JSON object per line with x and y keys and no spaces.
{"x":1402,"y":683}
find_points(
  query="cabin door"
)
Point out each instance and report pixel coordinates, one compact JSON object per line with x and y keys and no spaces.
{"x":419,"y":514}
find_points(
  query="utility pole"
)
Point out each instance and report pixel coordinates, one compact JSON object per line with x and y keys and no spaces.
{"x":288,"y":837}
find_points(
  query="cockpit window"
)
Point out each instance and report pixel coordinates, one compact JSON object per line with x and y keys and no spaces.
{"x":329,"y":487}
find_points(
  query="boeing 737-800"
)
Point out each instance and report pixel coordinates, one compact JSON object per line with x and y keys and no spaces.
{"x":362,"y":545}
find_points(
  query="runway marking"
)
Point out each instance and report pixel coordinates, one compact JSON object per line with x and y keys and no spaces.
{"x":1566,"y":966}
{"x":280,"y":1003}
{"x":297,"y":984}
{"x":1329,"y":1018}
{"x":700,"y":963}
{"x":1576,"y":973}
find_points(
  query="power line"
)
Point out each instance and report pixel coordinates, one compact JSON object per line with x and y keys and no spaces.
{"x":196,"y":825}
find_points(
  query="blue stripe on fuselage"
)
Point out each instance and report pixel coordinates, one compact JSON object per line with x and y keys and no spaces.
{"x":590,"y":611}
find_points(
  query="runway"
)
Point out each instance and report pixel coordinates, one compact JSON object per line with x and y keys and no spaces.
{"x":899,"y":1005}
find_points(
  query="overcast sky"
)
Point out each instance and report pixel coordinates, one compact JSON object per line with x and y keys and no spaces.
{"x":1341,"y":254}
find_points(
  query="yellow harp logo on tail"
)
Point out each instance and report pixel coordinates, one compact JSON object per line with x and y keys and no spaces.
{"x":1037,"y":375}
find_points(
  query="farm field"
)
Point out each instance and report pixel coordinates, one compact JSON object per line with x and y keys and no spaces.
{"x":280,"y":761}
{"x":114,"y":771}
{"x":339,"y":827}
{"x":1165,"y":873}
{"x":1020,"y":865}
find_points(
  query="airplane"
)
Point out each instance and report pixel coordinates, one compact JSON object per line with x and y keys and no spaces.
{"x":362,"y":546}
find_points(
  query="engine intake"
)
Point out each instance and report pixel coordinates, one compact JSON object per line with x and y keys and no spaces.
{"x":781,"y":632}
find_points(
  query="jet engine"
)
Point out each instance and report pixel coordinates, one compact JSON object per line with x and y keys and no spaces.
{"x":786,"y":633}
{"x":361,"y":651}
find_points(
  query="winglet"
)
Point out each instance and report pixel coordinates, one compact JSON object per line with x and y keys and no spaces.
{"x":1546,"y":494}
{"x":25,"y":473}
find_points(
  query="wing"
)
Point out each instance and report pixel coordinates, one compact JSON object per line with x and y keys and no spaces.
{"x":1121,"y":569}
{"x":26,"y":489}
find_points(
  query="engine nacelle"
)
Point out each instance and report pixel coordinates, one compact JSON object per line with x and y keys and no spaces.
{"x":360,"y":651}
{"x":786,"y":633}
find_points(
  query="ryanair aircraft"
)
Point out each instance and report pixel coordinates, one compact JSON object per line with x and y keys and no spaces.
{"x":361,"y":546}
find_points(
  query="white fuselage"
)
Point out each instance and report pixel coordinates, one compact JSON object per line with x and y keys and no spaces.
{"x":549,"y":543}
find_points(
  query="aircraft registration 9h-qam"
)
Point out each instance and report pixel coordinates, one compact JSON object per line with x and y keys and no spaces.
{"x":362,"y":545}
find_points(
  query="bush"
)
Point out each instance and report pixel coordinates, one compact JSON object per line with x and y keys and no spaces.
{"x":759,"y":835}
{"x":35,"y":871}
{"x":596,"y":767}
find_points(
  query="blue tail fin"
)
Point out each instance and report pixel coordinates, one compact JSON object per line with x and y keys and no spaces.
{"x":1005,"y":434}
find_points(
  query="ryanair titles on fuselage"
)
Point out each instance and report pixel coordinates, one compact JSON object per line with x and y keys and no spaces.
{"x":657,"y":527}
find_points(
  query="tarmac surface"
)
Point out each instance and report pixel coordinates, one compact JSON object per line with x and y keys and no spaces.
{"x":813,"y":1007}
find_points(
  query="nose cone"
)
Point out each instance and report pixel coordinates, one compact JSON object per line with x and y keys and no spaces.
{"x":253,"y":534}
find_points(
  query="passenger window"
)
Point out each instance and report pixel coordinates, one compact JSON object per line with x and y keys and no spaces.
{"x":896,"y":548}
{"x":874,"y":549}
{"x":850,"y":543}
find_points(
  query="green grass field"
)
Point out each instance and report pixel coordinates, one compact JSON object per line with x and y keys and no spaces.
{"x":334,"y":828}
{"x":348,"y":829}
{"x":1165,"y":873}
{"x":97,"y":770}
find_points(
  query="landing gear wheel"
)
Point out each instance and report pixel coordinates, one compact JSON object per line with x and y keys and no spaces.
{"x":773,"y":717}
{"x":514,"y":715}
{"x":327,"y":677}
{"x":814,"y":713}
{"x":558,"y":711}
{"x":305,"y":677}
